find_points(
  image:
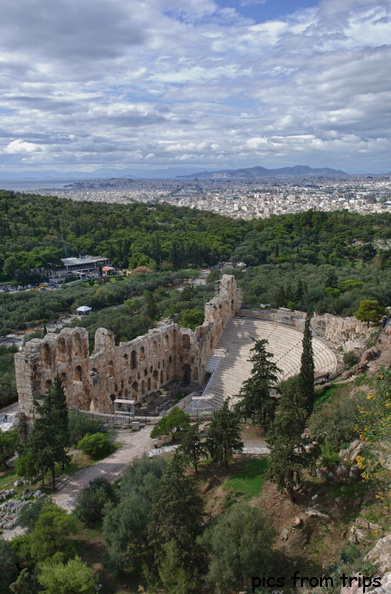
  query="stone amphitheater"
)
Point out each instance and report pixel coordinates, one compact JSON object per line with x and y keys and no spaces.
{"x":211,"y":362}
{"x":229,"y":366}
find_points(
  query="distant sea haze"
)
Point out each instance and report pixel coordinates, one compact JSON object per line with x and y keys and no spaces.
{"x":33,"y":185}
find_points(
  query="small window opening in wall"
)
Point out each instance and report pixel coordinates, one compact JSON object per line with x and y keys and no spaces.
{"x":77,"y":374}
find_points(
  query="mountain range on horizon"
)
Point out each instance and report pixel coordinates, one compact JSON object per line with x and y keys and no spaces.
{"x":254,"y":172}
{"x":175,"y":173}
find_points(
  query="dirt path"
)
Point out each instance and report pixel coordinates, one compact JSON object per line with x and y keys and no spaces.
{"x":111,"y":468}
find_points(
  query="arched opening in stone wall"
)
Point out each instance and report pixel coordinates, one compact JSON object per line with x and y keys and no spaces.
{"x":195,"y":374}
{"x":135,"y":390}
{"x":46,"y":357}
{"x":112,"y":398}
{"x":186,"y":374}
{"x":125,"y":360}
{"x":154,"y":347}
{"x":186,"y":341}
{"x":143,"y":387}
{"x":133,"y":359}
{"x":166,"y":341}
{"x":142,"y":354}
{"x":155,"y":380}
{"x":110,"y":369}
{"x":161,"y":377}
{"x":77,"y":377}
{"x":77,"y":350}
{"x":232,"y":305}
{"x":149,"y":384}
{"x":61,"y":350}
{"x":63,"y":378}
{"x":48,"y":385}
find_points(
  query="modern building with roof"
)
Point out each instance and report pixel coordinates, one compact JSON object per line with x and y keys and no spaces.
{"x":84,"y":263}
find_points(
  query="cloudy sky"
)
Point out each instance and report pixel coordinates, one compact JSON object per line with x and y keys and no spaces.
{"x":197,"y":84}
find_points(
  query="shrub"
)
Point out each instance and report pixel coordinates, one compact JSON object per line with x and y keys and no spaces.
{"x":80,"y":425}
{"x":329,"y":457}
{"x":91,"y":501}
{"x":96,"y":445}
{"x":350,"y":358}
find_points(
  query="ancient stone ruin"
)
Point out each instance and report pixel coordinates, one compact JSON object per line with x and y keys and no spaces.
{"x":129,"y":371}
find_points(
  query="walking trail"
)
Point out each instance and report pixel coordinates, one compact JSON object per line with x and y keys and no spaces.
{"x":135,"y":445}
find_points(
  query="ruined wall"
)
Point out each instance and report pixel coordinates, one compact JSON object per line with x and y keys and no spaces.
{"x":349,"y":333}
{"x":130,"y":370}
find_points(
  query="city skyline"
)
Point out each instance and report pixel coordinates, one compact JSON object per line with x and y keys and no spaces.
{"x":210,"y":85}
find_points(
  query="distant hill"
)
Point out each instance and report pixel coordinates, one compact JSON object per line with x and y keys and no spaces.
{"x":254,"y":172}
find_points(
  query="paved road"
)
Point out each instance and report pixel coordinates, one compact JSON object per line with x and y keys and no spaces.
{"x":111,"y":468}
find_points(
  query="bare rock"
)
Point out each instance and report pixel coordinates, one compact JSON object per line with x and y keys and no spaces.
{"x":380,"y":555}
{"x":296,"y":522}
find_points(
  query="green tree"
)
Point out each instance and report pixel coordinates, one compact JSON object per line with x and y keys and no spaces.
{"x":239,"y":545}
{"x":307,"y":369}
{"x":288,"y":454}
{"x":223,"y":439}
{"x":8,"y":560}
{"x":80,"y":425}
{"x":176,"y":518}
{"x":50,"y":533}
{"x":90,"y":501}
{"x":175,"y":420}
{"x":192,"y":446}
{"x":125,"y":525}
{"x":256,"y":401}
{"x":96,"y":445}
{"x":73,"y":576}
{"x":369,"y":310}
{"x":45,"y":445}
{"x":22,"y":584}
{"x":9,"y":442}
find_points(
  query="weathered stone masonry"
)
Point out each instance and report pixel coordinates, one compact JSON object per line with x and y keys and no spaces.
{"x":129,"y":371}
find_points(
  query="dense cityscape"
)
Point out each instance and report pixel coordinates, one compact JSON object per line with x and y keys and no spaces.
{"x":242,"y":198}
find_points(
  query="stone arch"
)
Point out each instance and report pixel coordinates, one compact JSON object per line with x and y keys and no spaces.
{"x":48,"y":385}
{"x":77,"y":375}
{"x":232,"y":305}
{"x":125,"y":360}
{"x":135,"y":390}
{"x":142,"y":354}
{"x":161,"y":378}
{"x":195,"y":374}
{"x":46,"y":357}
{"x":77,"y":346}
{"x":133,"y":359}
{"x":61,"y":350}
{"x":186,"y":341}
{"x":110,"y":369}
{"x":149,"y":384}
{"x":186,"y":374}
{"x":143,"y":387}
{"x":154,"y":347}
{"x":166,"y":341}
{"x":155,"y":379}
{"x":63,"y":378}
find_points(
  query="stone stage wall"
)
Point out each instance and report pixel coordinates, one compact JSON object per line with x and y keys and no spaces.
{"x":128,"y":371}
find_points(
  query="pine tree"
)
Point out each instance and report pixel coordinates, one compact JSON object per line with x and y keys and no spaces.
{"x":175,"y":524}
{"x":192,"y":446}
{"x":256,"y":400}
{"x":288,"y":455}
{"x":307,"y":369}
{"x":223,"y":438}
{"x":49,"y":438}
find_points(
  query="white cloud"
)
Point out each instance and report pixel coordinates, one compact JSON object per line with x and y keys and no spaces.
{"x":19,"y":147}
{"x":124,"y":82}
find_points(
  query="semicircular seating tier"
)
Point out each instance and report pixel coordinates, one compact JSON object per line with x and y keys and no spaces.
{"x":229,"y":366}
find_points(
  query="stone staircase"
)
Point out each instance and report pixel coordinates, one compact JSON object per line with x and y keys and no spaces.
{"x":230,"y":365}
